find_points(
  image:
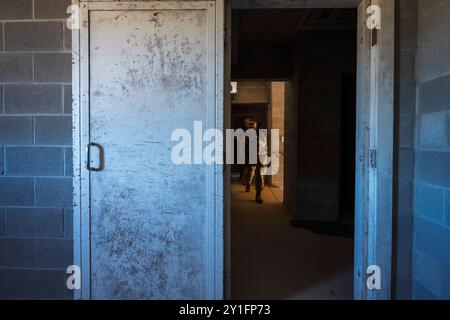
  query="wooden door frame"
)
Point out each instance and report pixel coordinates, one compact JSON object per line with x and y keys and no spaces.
{"x":374,"y":142}
{"x":80,"y":120}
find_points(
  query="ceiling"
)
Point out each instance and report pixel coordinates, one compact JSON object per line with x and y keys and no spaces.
{"x":283,"y":25}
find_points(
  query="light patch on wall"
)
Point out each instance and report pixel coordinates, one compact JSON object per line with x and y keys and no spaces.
{"x":433,"y":130}
{"x":234,"y":87}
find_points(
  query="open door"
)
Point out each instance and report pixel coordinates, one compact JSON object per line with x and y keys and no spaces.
{"x":374,"y":148}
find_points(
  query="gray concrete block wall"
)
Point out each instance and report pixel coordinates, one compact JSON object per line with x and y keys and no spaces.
{"x":34,"y":222}
{"x":324,"y":56}
{"x":16,"y":67}
{"x":35,"y":36}
{"x":19,"y":9}
{"x":277,"y":107}
{"x":251,"y":92}
{"x":35,"y":149}
{"x":33,"y":161}
{"x":16,"y":130}
{"x":431,"y":251}
{"x":52,"y":130}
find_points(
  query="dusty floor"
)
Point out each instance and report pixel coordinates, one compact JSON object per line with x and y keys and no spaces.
{"x":272,"y":260}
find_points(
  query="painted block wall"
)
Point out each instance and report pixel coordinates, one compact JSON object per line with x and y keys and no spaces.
{"x":323,"y":57}
{"x":35,"y":149}
{"x":277,"y":118}
{"x":431,"y":251}
{"x":251,"y":92}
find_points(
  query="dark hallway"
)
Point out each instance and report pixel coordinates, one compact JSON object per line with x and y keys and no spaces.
{"x":288,"y":247}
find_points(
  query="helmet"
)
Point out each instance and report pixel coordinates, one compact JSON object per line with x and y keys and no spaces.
{"x":250,"y":123}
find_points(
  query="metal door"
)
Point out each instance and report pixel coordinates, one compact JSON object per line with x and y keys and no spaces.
{"x":151,"y":70}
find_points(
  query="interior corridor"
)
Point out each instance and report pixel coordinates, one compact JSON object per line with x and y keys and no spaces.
{"x":272,"y":260}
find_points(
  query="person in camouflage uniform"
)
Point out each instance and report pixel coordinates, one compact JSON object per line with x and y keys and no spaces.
{"x":254,"y":172}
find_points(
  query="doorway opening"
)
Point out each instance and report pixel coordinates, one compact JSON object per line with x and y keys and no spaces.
{"x":295,"y":71}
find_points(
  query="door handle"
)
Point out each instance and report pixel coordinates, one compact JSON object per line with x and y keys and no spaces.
{"x":100,"y":156}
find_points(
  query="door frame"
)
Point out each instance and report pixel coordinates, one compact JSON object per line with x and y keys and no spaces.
{"x":375,"y":88}
{"x":374,"y":139}
{"x":80,"y":120}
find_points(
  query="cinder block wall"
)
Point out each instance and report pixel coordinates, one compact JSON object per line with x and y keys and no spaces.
{"x":431,"y":254}
{"x":324,"y":56}
{"x":250,"y":92}
{"x":35,"y":149}
{"x":277,"y":119}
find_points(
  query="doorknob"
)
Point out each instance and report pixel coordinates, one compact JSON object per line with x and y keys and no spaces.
{"x":100,"y":156}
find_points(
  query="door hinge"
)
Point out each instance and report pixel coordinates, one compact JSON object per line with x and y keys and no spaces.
{"x":373,"y":158}
{"x":374,"y":37}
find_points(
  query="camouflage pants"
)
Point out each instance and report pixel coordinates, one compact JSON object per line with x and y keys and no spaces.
{"x":253,"y":172}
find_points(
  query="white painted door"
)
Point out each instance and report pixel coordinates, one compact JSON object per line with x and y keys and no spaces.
{"x":151,"y":71}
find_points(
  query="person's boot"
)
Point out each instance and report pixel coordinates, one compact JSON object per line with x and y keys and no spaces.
{"x":247,"y":188}
{"x":258,"y":197}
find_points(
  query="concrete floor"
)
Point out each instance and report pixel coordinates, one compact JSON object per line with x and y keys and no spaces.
{"x":272,"y":260}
